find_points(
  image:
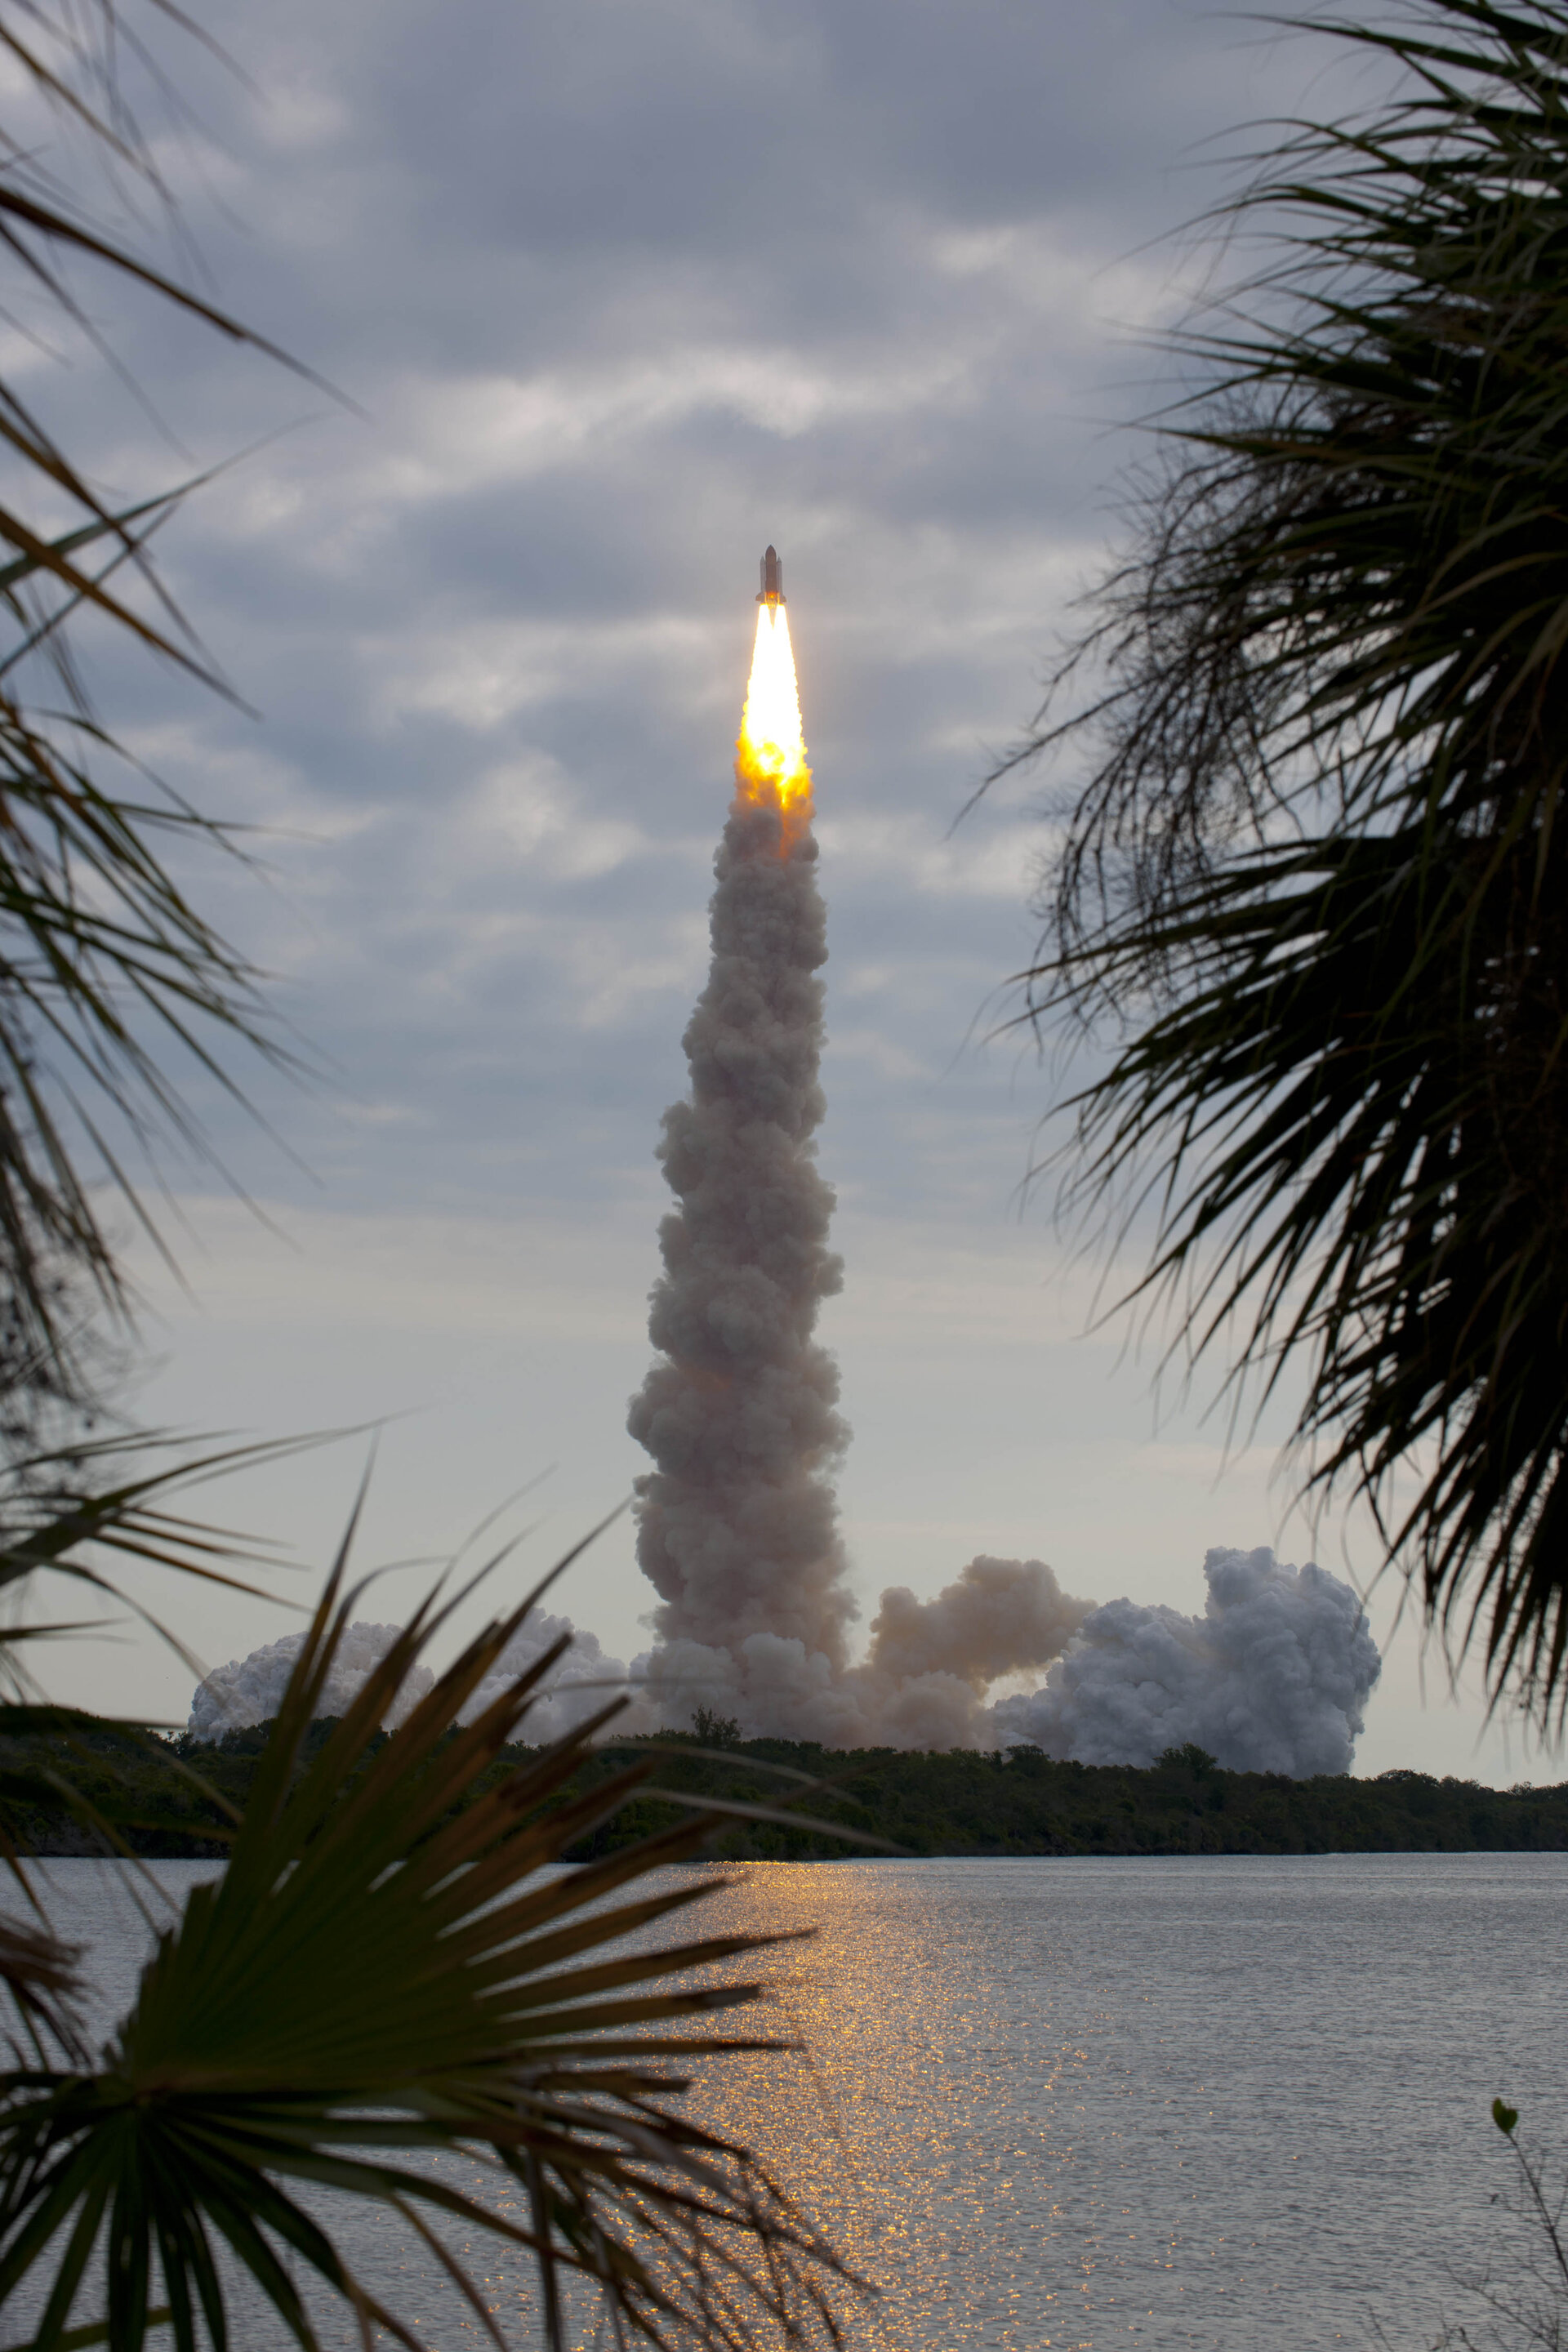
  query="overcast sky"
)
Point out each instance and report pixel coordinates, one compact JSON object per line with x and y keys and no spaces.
{"x":624,"y":290}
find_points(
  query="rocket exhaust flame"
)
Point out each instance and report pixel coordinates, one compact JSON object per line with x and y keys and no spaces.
{"x":770,"y":757}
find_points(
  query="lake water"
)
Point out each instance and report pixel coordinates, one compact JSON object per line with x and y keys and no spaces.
{"x":1227,"y":2103}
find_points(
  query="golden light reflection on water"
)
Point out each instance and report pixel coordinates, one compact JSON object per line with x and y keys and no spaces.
{"x":915,"y":2126}
{"x":897,"y":2125}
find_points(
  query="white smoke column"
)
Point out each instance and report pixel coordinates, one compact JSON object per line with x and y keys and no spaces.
{"x":736,"y":1523}
{"x":1274,"y":1676}
{"x":250,"y":1690}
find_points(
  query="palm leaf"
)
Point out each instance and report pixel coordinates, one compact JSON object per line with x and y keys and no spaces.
{"x":95,"y":935}
{"x":389,"y":1966}
{"x":1310,"y":895}
{"x":80,"y":1515}
{"x":13,"y":574}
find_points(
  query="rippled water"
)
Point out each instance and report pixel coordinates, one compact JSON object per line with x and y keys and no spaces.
{"x":1218,"y":2102}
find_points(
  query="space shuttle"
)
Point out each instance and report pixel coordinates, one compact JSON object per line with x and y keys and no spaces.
{"x":773,"y":595}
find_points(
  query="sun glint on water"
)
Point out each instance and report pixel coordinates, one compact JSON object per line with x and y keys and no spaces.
{"x":770,"y":757}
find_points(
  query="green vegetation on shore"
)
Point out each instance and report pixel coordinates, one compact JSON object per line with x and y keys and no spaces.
{"x":956,"y":1803}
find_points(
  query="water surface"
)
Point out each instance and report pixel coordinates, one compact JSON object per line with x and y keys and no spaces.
{"x":1222,"y":2102}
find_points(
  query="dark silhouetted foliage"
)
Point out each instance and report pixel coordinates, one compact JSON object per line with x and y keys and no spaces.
{"x":1313,"y":894}
{"x":958,"y":1803}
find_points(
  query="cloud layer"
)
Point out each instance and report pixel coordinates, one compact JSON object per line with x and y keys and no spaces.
{"x":624,"y":294}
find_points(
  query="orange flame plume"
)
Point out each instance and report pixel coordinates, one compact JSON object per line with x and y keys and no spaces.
{"x":770,"y":757}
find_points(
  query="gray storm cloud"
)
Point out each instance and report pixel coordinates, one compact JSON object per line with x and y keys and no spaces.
{"x":1273,"y":1677}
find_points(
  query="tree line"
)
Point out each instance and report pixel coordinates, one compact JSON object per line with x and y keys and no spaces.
{"x":883,"y":1801}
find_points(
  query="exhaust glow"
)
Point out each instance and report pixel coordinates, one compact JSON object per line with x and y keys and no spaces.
{"x":770,"y":757}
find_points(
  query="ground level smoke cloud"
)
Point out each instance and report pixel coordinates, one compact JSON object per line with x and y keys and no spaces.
{"x":250,"y":1690}
{"x":1273,"y":1677}
{"x":585,"y":1681}
{"x":922,"y":1684}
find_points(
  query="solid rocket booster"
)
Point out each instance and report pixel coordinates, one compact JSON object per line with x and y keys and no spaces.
{"x":773,"y":595}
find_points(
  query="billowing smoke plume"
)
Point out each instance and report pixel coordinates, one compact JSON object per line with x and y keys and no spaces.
{"x":933,"y":1662}
{"x":922,"y":1684}
{"x":250,"y":1690}
{"x":737,"y":1527}
{"x":1273,"y":1677}
{"x":737,"y":1524}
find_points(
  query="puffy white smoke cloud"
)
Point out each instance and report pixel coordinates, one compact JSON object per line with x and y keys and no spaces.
{"x":923,"y":1683}
{"x":250,"y":1690}
{"x":933,"y":1662}
{"x":577,"y":1686}
{"x":1273,"y":1677}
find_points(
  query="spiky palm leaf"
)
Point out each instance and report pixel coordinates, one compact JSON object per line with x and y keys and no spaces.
{"x":107,"y":968}
{"x":100,"y":953}
{"x":482,"y":2003}
{"x":85,"y":1518}
{"x":1313,"y":891}
{"x":83,"y":1515}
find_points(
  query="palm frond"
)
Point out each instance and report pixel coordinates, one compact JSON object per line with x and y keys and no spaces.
{"x":42,"y":1976}
{"x":84,"y":1514}
{"x":107,"y":1500}
{"x":109,"y":976}
{"x":1312,"y":892}
{"x":483,"y":2004}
